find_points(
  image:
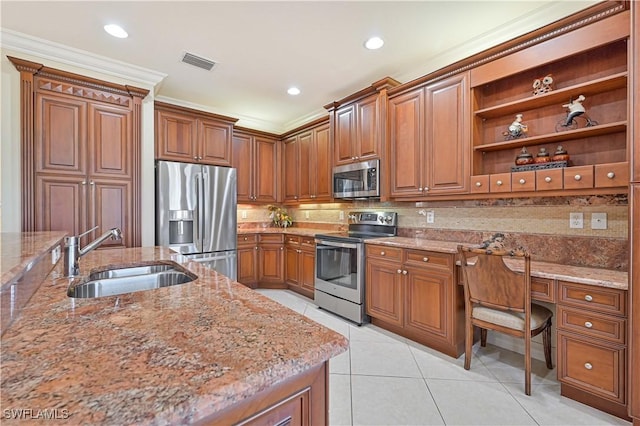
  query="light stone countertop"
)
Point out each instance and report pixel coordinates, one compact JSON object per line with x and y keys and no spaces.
{"x":305,"y":232}
{"x":172,"y":355}
{"x":19,"y":249}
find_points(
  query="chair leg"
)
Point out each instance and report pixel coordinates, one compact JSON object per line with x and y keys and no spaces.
{"x":527,"y":364}
{"x":546,"y":342}
{"x":483,"y":337}
{"x":468,"y":345}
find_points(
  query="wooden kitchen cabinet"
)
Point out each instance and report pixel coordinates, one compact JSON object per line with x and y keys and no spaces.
{"x":300,"y":264}
{"x":248,"y":260}
{"x":192,"y":136}
{"x":589,"y":60}
{"x":592,"y":345}
{"x":429,"y":137}
{"x":256,"y":156}
{"x":271,"y":261}
{"x":414,"y":293}
{"x":307,"y":164}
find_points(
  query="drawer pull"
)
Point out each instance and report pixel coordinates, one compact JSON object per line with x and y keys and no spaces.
{"x":588,"y":366}
{"x":522,"y":181}
{"x":499,"y":183}
{"x":425,"y":259}
{"x":588,"y":298}
{"x":611,"y":175}
{"x":478,"y":184}
{"x":588,"y":324}
{"x":577,"y":177}
{"x":382,"y":253}
{"x":404,"y":272}
{"x":547,"y":179}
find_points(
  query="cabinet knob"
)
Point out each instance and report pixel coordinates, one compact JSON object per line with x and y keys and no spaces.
{"x":588,"y":324}
{"x":611,"y":175}
{"x":399,"y":271}
{"x":195,"y":158}
{"x":404,"y":272}
{"x":426,"y":188}
{"x":420,"y":189}
{"x":522,"y":181}
{"x":499,"y":183}
{"x":84,"y":182}
{"x":588,"y":366}
{"x":588,"y":298}
{"x":547,"y":179}
{"x":478,"y":184}
{"x":246,"y":238}
{"x":382,"y":253}
{"x":425,"y":259}
{"x":256,"y":247}
{"x":281,"y":248}
{"x":577,"y":177}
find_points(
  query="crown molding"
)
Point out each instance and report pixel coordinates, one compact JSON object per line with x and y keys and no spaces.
{"x":48,"y":50}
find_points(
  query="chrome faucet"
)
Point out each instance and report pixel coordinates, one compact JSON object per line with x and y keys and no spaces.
{"x":73,"y":252}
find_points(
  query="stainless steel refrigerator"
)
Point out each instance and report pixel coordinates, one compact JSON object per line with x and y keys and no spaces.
{"x":196,"y":213}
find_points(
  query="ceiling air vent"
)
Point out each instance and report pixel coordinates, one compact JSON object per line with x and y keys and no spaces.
{"x":198,"y":61}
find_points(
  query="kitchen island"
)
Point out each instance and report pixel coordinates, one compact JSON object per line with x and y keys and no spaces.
{"x":210,"y":351}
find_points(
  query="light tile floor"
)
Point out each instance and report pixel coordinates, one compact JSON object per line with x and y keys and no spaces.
{"x":385,"y":379}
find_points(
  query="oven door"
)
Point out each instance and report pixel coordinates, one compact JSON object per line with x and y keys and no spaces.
{"x":339,"y":269}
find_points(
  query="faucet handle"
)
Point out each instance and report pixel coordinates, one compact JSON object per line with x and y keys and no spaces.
{"x":88,"y":232}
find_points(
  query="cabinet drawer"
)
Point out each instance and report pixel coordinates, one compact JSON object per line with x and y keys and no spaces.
{"x":247,"y":239}
{"x":543,"y":289}
{"x":271,"y":238}
{"x":384,"y":252}
{"x":612,"y":174}
{"x":601,"y":299}
{"x":308,"y":241}
{"x":428,"y":258}
{"x":292,"y":239}
{"x":523,"y":181}
{"x":500,"y":182}
{"x":592,"y":324}
{"x":580,"y":177}
{"x":549,"y":179}
{"x":479,"y":184}
{"x":593,"y":367}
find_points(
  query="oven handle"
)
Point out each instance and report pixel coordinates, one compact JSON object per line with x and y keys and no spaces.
{"x":334,"y":244}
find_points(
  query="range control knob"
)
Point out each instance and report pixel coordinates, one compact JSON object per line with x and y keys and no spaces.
{"x":352,"y":217}
{"x":381,"y":219}
{"x":388,"y":219}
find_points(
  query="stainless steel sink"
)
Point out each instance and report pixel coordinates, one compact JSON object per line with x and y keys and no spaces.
{"x":130,"y":279}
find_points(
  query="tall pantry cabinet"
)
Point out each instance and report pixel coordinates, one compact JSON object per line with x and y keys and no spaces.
{"x":80,"y":154}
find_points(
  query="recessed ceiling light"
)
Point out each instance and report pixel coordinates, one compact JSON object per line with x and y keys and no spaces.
{"x":116,"y":31}
{"x":374,"y":43}
{"x":293,"y":91}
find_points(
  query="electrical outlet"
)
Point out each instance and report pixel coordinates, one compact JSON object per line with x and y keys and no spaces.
{"x":576,"y":220}
{"x":244,"y":214}
{"x":598,"y":221}
{"x":306,"y":214}
{"x":431,"y":216}
{"x":341,"y":215}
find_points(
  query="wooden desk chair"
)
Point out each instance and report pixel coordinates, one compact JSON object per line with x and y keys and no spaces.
{"x":499,"y":299}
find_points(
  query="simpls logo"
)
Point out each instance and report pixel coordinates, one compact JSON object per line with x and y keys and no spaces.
{"x":34,"y":414}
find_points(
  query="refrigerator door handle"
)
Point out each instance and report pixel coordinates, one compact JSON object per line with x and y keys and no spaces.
{"x":198,"y":211}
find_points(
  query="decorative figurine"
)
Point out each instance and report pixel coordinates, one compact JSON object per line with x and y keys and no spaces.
{"x":542,"y":85}
{"x":516,"y":129}
{"x":575,"y":109}
{"x":542,"y":157}
{"x":524,"y":157}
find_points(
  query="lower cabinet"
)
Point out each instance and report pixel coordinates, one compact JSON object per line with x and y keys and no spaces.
{"x":300,"y":258}
{"x":248,"y":259}
{"x":592,"y":346}
{"x":271,"y":260}
{"x":414,"y":293}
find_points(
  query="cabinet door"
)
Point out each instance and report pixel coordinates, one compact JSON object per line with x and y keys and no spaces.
{"x":61,"y":204}
{"x":307,"y":269}
{"x":406,"y":121}
{"x":248,"y":265}
{"x":110,"y":206}
{"x":322,"y":167}
{"x":291,"y":161}
{"x":60,"y":135}
{"x":367,"y":144}
{"x":242,"y":155}
{"x":426,"y":296}
{"x":306,"y":166}
{"x":110,"y":144}
{"x":292,"y":269}
{"x":214,"y":142}
{"x":271,"y":263}
{"x":447,"y":136}
{"x":384,"y":291}
{"x":266,"y":170}
{"x":175,"y":137}
{"x":345,"y":134}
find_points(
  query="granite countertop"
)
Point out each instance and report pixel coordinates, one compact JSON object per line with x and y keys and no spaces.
{"x":577,"y":274}
{"x":172,"y":355}
{"x":19,"y":250}
{"x":305,"y":232}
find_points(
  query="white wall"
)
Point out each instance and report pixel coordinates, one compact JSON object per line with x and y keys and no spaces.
{"x":10,"y":186}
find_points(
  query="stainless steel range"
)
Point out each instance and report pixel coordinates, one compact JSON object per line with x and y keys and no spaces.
{"x":340,"y":266}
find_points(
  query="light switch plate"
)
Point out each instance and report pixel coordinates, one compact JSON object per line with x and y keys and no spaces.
{"x":431,"y":216}
{"x":576,"y":220}
{"x":306,"y":214}
{"x":244,"y":214}
{"x":341,"y":215}
{"x":598,"y":221}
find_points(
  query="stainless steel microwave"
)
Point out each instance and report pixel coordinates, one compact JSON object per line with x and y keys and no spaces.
{"x":357,"y":180}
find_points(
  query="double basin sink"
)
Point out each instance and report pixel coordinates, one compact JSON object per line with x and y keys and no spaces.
{"x":129,"y":279}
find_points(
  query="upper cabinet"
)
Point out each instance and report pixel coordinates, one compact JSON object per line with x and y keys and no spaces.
{"x":429,"y":139}
{"x":307,"y":163}
{"x":187,"y":135}
{"x":256,"y":156}
{"x":570,"y":91}
{"x":357,"y":124}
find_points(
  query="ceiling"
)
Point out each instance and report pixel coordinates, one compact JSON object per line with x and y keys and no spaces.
{"x":261,"y":48}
